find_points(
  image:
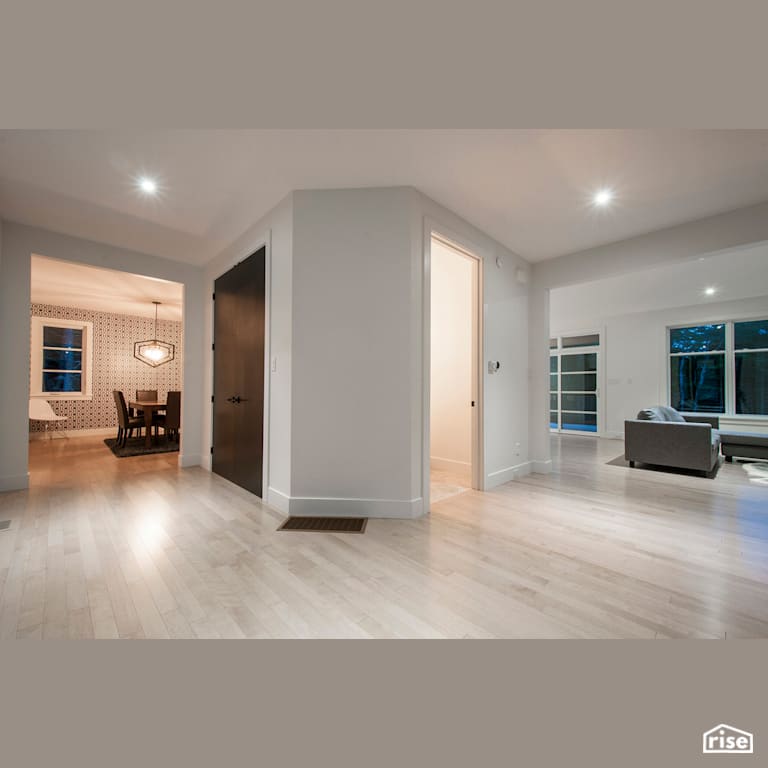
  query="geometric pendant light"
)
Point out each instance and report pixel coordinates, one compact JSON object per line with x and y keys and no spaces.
{"x":153,"y":351}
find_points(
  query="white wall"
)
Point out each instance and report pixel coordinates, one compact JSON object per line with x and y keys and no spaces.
{"x":360,"y":402}
{"x":352,"y":375}
{"x":19,"y":243}
{"x":347,"y":410}
{"x":451,"y":360}
{"x":679,"y":244}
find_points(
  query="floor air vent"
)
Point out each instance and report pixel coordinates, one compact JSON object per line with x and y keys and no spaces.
{"x":5,"y":524}
{"x":325,"y":524}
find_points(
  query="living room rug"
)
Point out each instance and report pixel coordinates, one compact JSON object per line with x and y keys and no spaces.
{"x":620,"y":461}
{"x":757,"y":471}
{"x":134,"y":446}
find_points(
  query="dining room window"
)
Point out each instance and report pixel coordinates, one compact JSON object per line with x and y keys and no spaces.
{"x":61,"y":359}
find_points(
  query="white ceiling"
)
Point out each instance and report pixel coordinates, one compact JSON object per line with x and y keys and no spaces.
{"x":65,"y":284}
{"x":530,"y":189}
{"x":735,"y":275}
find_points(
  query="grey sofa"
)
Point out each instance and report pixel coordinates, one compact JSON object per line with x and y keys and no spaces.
{"x":664,"y":437}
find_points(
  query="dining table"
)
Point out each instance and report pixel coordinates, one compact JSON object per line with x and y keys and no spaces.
{"x":149,"y":409}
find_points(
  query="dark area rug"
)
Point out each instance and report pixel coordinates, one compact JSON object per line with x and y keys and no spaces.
{"x":134,"y":446}
{"x":620,"y":461}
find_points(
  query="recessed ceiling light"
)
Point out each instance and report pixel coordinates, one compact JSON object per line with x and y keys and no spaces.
{"x":602,"y":197}
{"x":710,"y":291}
{"x":147,"y":185}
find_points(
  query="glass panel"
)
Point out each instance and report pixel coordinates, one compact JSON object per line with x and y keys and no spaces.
{"x":553,"y":343}
{"x":587,"y":362}
{"x":752,"y":383}
{"x":61,"y":382}
{"x":583,"y":422}
{"x":579,"y":382}
{"x":553,"y":402}
{"x":591,"y":340}
{"x":553,"y":382}
{"x":698,"y":383}
{"x":579,"y":402}
{"x":553,"y":364}
{"x":697,"y":338}
{"x":62,"y":337}
{"x":553,"y":420}
{"x":59,"y":359}
{"x":751,"y":335}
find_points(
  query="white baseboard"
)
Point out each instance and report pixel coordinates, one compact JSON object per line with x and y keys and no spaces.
{"x":60,"y":432}
{"x":14,"y":482}
{"x":278,"y":500}
{"x":507,"y":474}
{"x":308,"y":506}
{"x":437,"y":462}
{"x":324,"y":507}
{"x":191,"y":460}
{"x":542,"y":467}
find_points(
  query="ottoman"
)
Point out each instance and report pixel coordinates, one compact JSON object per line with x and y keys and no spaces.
{"x":749,"y":445}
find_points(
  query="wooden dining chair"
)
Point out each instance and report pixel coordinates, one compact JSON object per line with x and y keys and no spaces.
{"x":170,"y":421}
{"x":143,"y":394}
{"x":126,"y":422}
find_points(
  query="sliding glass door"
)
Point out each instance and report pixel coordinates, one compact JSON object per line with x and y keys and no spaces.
{"x":573,"y":389}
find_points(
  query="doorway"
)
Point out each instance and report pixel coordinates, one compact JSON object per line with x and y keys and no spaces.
{"x":239,"y":321}
{"x":454,"y":401}
{"x":86,"y":325}
{"x":574,"y":393}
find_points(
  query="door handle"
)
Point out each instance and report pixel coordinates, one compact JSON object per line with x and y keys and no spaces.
{"x":235,"y":399}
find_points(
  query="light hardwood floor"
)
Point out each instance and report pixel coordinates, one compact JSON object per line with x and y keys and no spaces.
{"x":445,"y":483}
{"x":132,"y":548}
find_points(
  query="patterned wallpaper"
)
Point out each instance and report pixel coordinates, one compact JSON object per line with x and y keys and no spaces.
{"x":114,"y":366}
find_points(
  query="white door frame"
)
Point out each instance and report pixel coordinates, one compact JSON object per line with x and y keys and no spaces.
{"x":262,"y":241}
{"x":467,"y":248}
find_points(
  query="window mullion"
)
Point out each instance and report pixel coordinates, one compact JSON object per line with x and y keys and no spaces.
{"x":730,"y":370}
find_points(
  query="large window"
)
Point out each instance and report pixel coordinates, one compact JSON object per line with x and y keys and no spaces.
{"x":720,"y":368}
{"x":61,"y":359}
{"x":750,"y":347}
{"x":573,"y":383}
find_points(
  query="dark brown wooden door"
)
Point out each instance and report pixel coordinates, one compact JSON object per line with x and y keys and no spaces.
{"x":238,"y":374}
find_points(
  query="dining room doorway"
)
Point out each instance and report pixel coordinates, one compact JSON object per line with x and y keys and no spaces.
{"x":99,"y":339}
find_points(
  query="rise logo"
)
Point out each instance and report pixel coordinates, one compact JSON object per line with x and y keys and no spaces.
{"x":726,"y":740}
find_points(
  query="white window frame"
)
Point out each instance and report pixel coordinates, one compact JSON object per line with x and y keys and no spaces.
{"x":36,"y":359}
{"x":730,"y":353}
